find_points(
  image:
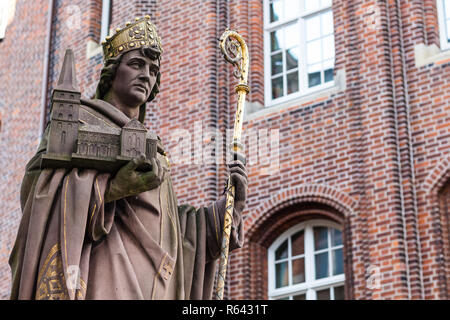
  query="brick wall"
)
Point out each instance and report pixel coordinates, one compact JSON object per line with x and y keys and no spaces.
{"x":377,"y":143}
{"x":371,"y":155}
{"x":21,"y":61}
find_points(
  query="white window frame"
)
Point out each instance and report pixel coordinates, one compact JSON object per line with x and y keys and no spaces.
{"x":106,"y":22}
{"x":310,"y":286}
{"x":445,"y":45}
{"x":4,"y":14}
{"x":303,"y":87}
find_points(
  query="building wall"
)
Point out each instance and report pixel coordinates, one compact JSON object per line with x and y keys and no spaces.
{"x":371,"y":153}
{"x":373,"y":145}
{"x":22,"y":62}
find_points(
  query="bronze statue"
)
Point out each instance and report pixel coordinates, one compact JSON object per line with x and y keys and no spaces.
{"x":90,"y":230}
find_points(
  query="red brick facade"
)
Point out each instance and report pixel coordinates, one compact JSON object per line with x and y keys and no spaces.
{"x":371,"y":154}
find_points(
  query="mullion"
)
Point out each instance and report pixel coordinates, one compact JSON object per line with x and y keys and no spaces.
{"x":322,"y":72}
{"x":283,"y":55}
{"x":330,"y":252}
{"x":290,"y":261}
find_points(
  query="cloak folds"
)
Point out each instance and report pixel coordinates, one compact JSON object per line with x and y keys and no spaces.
{"x":71,"y":245}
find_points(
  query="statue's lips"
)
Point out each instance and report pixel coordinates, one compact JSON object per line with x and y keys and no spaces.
{"x":140,"y":86}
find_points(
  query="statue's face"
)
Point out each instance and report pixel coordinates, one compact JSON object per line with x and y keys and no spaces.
{"x":135,"y":78}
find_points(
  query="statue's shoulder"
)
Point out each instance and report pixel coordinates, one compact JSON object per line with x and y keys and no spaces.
{"x":96,"y":113}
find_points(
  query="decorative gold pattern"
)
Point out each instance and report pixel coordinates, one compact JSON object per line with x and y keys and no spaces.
{"x":141,"y":33}
{"x":234,"y":50}
{"x":51,"y":280}
{"x":215,"y":223}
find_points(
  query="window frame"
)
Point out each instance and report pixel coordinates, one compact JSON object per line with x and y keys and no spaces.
{"x":302,"y":76}
{"x":3,"y":19}
{"x":310,"y":286}
{"x":444,"y":43}
{"x":106,"y":19}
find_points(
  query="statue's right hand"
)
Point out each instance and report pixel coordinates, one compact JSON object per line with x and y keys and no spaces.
{"x":129,"y":182}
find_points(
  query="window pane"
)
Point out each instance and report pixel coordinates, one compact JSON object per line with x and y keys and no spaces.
{"x":292,"y":8}
{"x":277,"y":87}
{"x":312,"y":28}
{"x":328,"y":47}
{"x":338,"y":262}
{"x":327,"y":23}
{"x":298,"y":243}
{"x":277,"y":63}
{"x":292,"y":82}
{"x":281,"y":275}
{"x":312,"y":4}
{"x":313,"y":79}
{"x":329,"y":75}
{"x":299,"y":297}
{"x":291,"y":36}
{"x":298,"y":270}
{"x":276,"y":11}
{"x":339,"y":293}
{"x":314,"y":52}
{"x":323,"y":294}
{"x":284,"y":298}
{"x":291,"y":58}
{"x":336,"y":237}
{"x":320,"y":238}
{"x":276,"y":40}
{"x":282,"y":251}
{"x":321,"y":265}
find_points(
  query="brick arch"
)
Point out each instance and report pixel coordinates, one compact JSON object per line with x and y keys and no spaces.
{"x":437,"y":221}
{"x":306,"y":193}
{"x":283,"y":210}
{"x":437,"y":177}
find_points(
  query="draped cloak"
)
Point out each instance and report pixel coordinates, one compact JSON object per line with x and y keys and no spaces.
{"x":72,"y":245}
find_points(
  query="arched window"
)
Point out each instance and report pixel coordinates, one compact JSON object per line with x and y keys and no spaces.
{"x":306,"y":263}
{"x":299,"y":48}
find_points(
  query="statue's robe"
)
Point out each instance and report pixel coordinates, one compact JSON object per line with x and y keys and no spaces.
{"x":72,"y":245}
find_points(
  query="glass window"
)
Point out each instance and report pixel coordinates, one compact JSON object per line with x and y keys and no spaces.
{"x":300,"y":51}
{"x":443,"y":7}
{"x":307,"y":263}
{"x":7,"y":11}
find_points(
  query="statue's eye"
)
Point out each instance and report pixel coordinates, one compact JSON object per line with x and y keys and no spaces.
{"x":135,"y":64}
{"x":154,"y":70}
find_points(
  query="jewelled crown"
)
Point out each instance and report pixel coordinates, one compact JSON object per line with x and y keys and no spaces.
{"x":141,"y":33}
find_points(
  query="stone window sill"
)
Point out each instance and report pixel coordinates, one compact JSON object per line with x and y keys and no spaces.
{"x":93,"y":48}
{"x":257,"y":110}
{"x":425,"y":55}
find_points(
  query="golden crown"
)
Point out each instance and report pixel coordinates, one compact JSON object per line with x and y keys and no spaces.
{"x":141,"y":33}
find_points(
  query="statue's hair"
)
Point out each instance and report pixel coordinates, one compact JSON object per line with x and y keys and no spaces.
{"x":108,"y":73}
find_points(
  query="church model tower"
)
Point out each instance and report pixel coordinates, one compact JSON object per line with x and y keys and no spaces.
{"x":75,"y":144}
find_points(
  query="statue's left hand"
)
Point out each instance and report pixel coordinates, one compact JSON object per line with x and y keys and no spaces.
{"x":238,"y":173}
{"x":128,"y":181}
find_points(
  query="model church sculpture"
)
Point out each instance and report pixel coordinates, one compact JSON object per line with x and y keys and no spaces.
{"x":72,"y":143}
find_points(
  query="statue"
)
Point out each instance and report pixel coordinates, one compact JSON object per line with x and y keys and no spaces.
{"x":90,"y":230}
